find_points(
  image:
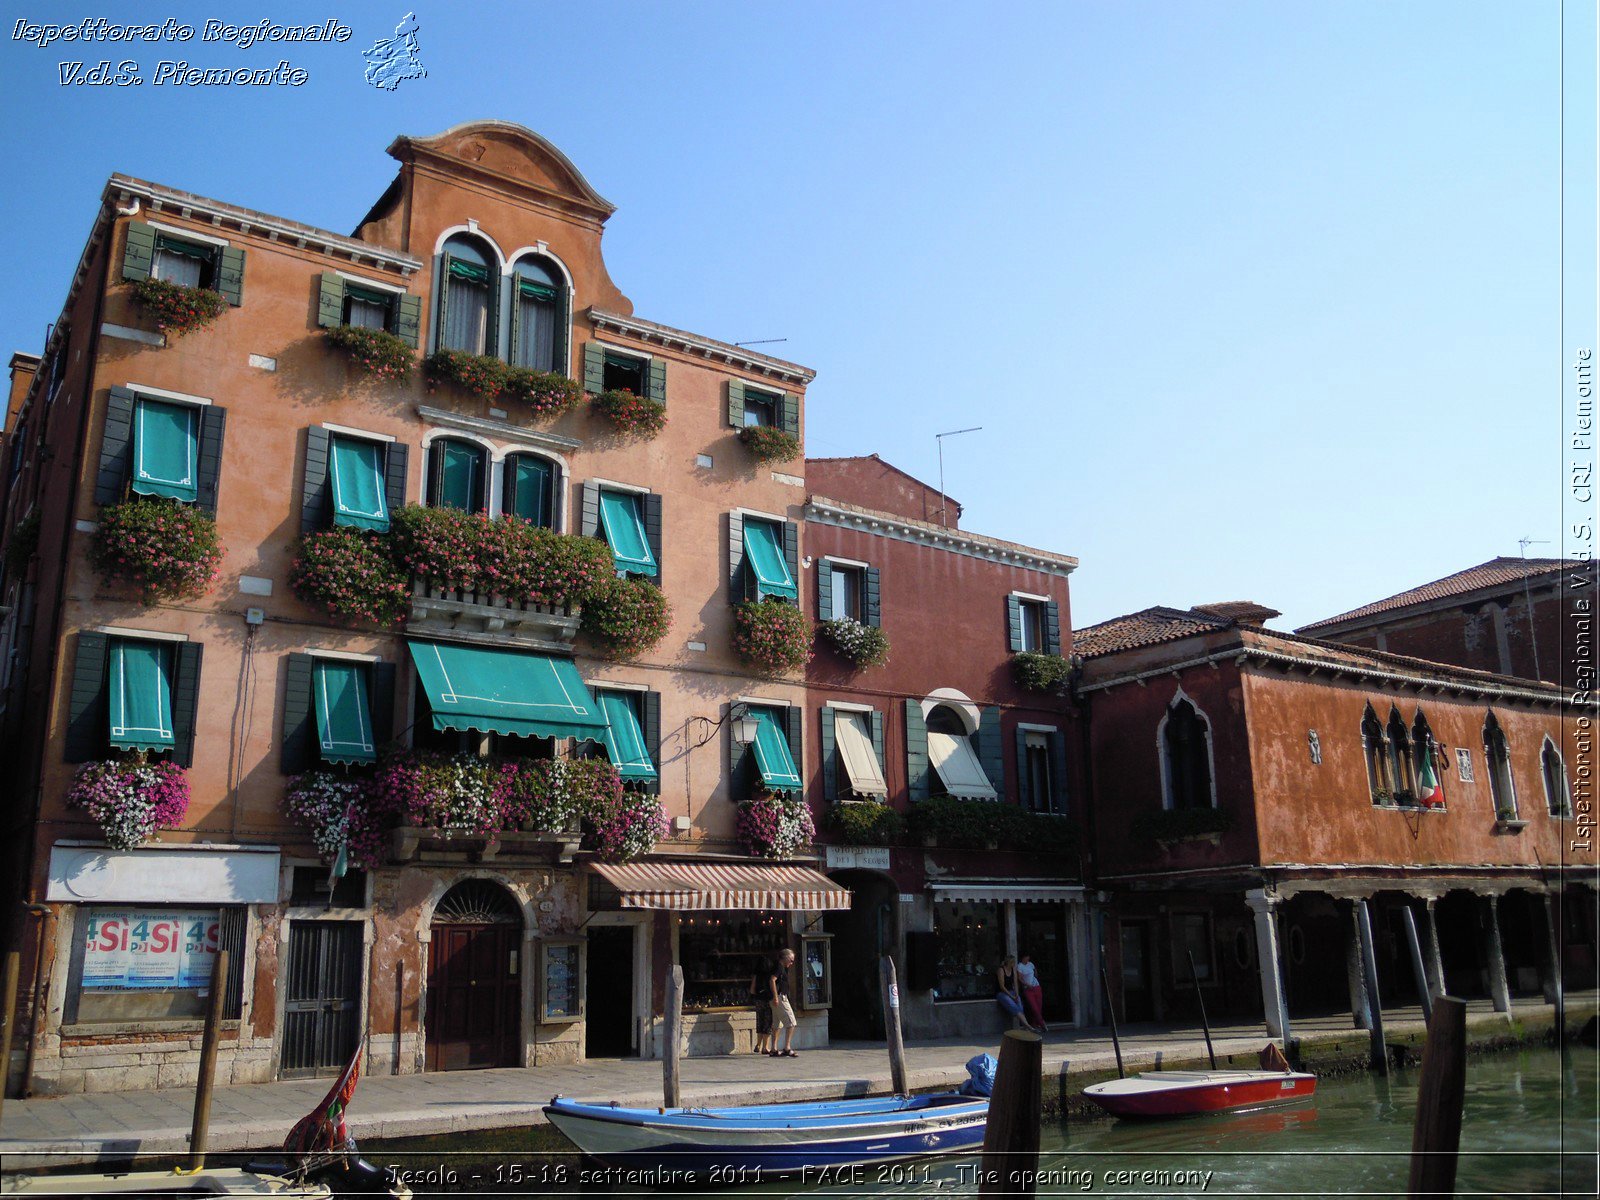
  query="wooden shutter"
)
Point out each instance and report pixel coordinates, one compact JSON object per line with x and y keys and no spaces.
{"x":408,"y":320}
{"x":330,"y":300}
{"x":1014,"y":623}
{"x":655,"y":380}
{"x":496,"y":284}
{"x":1025,"y":796}
{"x":395,"y":456}
{"x":1058,"y":772}
{"x":314,"y":488}
{"x":871,"y":605}
{"x":735,"y":404}
{"x":185,"y":702}
{"x":877,"y":744}
{"x":739,"y":760}
{"x":830,"y":773}
{"x":735,"y":558}
{"x":299,"y":750}
{"x":650,"y":727}
{"x":443,"y":283}
{"x":1052,"y":627}
{"x":589,"y":514}
{"x":381,"y":702}
{"x":990,"y":754}
{"x":791,"y":553}
{"x":594,"y":368}
{"x":86,"y":707}
{"x":230,"y":275}
{"x":824,"y":590}
{"x":138,"y":251}
{"x":793,"y":724}
{"x":558,"y":497}
{"x":115,"y":447}
{"x":916,"y":751}
{"x":563,"y":353}
{"x":213,"y":425}
{"x":789,"y":418}
{"x":651,"y":503}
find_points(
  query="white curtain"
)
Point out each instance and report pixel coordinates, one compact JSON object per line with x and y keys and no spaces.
{"x":177,"y":268}
{"x":466,"y":316}
{"x":536,"y":334}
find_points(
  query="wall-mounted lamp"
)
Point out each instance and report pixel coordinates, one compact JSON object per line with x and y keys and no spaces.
{"x":745,"y":727}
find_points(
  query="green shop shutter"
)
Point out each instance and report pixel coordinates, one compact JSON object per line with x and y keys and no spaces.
{"x":766,"y":558}
{"x":1052,"y":627}
{"x":774,"y":760}
{"x":624,"y":738}
{"x":990,"y":755}
{"x":655,"y":381}
{"x":342,"y":700}
{"x":1058,"y":771}
{"x":1025,"y":796}
{"x":86,"y":707}
{"x":185,"y":701}
{"x":736,"y":403}
{"x":138,"y":251}
{"x":789,"y":416}
{"x":166,"y":450}
{"x":213,"y":427}
{"x":115,"y":447}
{"x":736,"y":565}
{"x":594,"y":368}
{"x":824,"y":590}
{"x":830,"y":774}
{"x":505,"y":691}
{"x":355,"y":470}
{"x":916,"y":750}
{"x":652,"y":528}
{"x":623,"y":518}
{"x":408,"y":319}
{"x":1014,"y":623}
{"x":140,"y":695}
{"x":230,"y":275}
{"x":314,"y":487}
{"x":589,"y":516}
{"x":395,"y":456}
{"x":650,"y":717}
{"x":296,"y":753}
{"x":330,"y":300}
{"x":871,"y":604}
{"x":383,"y":703}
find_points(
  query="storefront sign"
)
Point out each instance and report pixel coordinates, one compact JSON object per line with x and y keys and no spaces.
{"x":149,"y":948}
{"x":843,"y":858}
{"x":180,"y":875}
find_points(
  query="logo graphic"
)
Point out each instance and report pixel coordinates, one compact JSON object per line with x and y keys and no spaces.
{"x":392,"y":60}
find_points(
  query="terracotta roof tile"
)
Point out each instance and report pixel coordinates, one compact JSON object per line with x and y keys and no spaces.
{"x":1494,"y":573}
{"x":1148,"y":627}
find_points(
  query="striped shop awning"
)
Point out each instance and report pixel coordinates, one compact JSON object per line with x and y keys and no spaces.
{"x":688,"y":886}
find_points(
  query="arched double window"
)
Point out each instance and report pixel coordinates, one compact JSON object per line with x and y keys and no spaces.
{"x":457,"y":474}
{"x":1186,"y":757}
{"x":469,"y":281}
{"x":530,"y":489}
{"x":1497,"y":757}
{"x":539,"y":308}
{"x":1375,"y":746}
{"x":1557,"y":789}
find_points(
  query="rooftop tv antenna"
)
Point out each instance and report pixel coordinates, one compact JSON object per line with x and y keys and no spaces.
{"x":939,"y":438}
{"x":761,"y":342}
{"x":1527,"y":596}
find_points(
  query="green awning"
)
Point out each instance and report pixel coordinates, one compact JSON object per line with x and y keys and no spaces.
{"x":763,"y":551}
{"x":356,"y":468}
{"x":622,"y":516}
{"x":459,"y":475}
{"x":141,"y":695}
{"x":624,"y":740}
{"x":344,"y":713}
{"x":771,"y":749}
{"x":505,"y":691}
{"x":166,"y":450}
{"x":535,"y":291}
{"x":460,"y":268}
{"x":530,"y":490}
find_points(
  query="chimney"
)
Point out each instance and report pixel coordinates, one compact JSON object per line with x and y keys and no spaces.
{"x":1245,"y":613}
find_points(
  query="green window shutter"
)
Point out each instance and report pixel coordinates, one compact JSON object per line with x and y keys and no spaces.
{"x":871,"y":604}
{"x":790,"y":417}
{"x":408,"y":320}
{"x":594,"y":368}
{"x":140,"y":688}
{"x":457,"y":470}
{"x":355,"y":473}
{"x":138,"y":251}
{"x":442,"y":282}
{"x":622,"y":519}
{"x":230,"y":275}
{"x":528,"y":488}
{"x":491,"y":333}
{"x":185,"y":702}
{"x":917,"y":769}
{"x":652,"y":528}
{"x":394,"y":474}
{"x":767,"y":559}
{"x":736,"y":568}
{"x":824,"y":590}
{"x":86,"y":706}
{"x":299,"y":730}
{"x":213,"y":428}
{"x":735,"y":404}
{"x":563,"y":354}
{"x":989,"y":753}
{"x":1052,"y":627}
{"x":655,"y":381}
{"x":741,"y":761}
{"x":791,"y":556}
{"x":624,"y":737}
{"x":341,"y":700}
{"x":650,"y":720}
{"x":830,"y":774}
{"x":877,"y":743}
{"x":166,"y":450}
{"x":330,"y":300}
{"x":383,"y":675}
{"x":1058,"y":772}
{"x":1025,"y":796}
{"x":793,"y":727}
{"x":1014,"y":623}
{"x":589,"y":513}
{"x":115,"y":447}
{"x":314,"y":487}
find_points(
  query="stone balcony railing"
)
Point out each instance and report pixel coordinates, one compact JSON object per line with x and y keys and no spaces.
{"x":411,"y":843}
{"x":488,"y":617}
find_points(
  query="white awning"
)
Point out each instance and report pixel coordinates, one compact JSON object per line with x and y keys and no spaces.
{"x":958,"y":767}
{"x":1043,"y":891}
{"x":860,"y":759}
{"x":688,"y":886}
{"x":172,"y":875}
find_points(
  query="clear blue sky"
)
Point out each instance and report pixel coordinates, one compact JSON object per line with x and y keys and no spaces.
{"x":1253,"y":300}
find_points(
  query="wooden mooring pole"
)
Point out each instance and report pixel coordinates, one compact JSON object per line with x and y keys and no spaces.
{"x":1011,"y":1135}
{"x":891,"y":1025}
{"x":1200,"y":999}
{"x":1410,"y":922}
{"x":672,"y":1037}
{"x":1369,"y":967}
{"x":8,"y":1015}
{"x":200,"y":1130}
{"x":1436,"y":1137}
{"x":1111,"y":1018}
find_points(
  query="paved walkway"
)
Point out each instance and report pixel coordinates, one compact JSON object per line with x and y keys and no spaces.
{"x":117,"y":1125}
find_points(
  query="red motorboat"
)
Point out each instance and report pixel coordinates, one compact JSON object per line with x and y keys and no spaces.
{"x":1190,"y":1093}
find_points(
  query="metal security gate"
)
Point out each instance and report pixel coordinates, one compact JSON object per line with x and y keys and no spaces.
{"x":323,"y":1006}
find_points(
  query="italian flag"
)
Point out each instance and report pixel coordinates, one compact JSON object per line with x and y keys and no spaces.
{"x":1430,"y":791}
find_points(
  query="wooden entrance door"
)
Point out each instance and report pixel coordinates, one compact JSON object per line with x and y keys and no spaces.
{"x":474,"y":1016}
{"x":1138,"y":992}
{"x":322,"y":997}
{"x":1041,"y":933}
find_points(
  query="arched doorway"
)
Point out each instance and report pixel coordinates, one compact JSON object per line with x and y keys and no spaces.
{"x":861,"y":934}
{"x":474,"y":979}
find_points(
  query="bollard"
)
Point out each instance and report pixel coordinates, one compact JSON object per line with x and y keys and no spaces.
{"x":208,"y":1063}
{"x":1436,"y":1136}
{"x":671,"y":1036}
{"x":1369,"y":965}
{"x":1416,"y":962}
{"x":891,"y":1026}
{"x":1011,"y":1135}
